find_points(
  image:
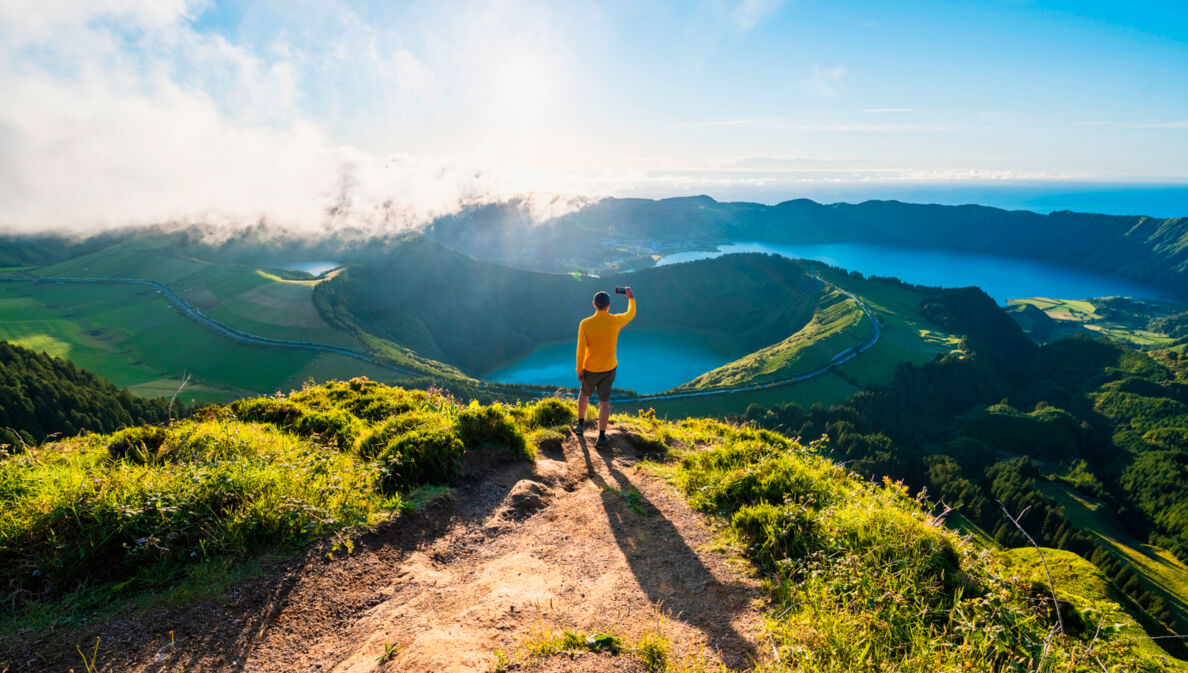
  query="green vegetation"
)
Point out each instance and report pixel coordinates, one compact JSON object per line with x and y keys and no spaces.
{"x":863,"y":579}
{"x":1136,"y":323}
{"x":42,"y":395}
{"x":1031,"y":428}
{"x":838,"y":323}
{"x":652,"y":649}
{"x":908,"y":336}
{"x":451,"y":308}
{"x":130,"y":335}
{"x":243,"y":296}
{"x":86,"y":520}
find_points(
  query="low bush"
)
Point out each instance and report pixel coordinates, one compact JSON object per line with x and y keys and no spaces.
{"x":76,"y":516}
{"x":491,"y":426}
{"x":550,"y":413}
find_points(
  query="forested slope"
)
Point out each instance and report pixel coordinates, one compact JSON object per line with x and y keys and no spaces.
{"x":42,"y":395}
{"x":614,"y":231}
{"x":1089,"y":438}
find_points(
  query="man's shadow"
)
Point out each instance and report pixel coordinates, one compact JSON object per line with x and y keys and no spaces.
{"x":669,"y":572}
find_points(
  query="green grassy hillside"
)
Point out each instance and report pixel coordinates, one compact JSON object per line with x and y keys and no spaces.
{"x":860,"y":577}
{"x":838,"y":324}
{"x":1137,"y":323}
{"x":132,"y":336}
{"x":908,"y":336}
{"x":1086,"y":437}
{"x":453,"y":308}
{"x":250,"y":298}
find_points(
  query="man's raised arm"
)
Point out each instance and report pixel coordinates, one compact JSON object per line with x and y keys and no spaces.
{"x":630,"y":314}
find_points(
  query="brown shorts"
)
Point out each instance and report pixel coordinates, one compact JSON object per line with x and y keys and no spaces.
{"x":599,"y":381}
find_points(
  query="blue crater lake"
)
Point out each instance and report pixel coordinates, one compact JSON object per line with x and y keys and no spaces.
{"x":1002,"y":278}
{"x":654,"y":361}
{"x":650,"y":361}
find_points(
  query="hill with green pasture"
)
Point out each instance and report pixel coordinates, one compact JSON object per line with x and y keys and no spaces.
{"x":450,"y":307}
{"x":242,"y":536}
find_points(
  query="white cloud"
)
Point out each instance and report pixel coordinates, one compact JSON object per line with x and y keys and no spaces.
{"x":887,"y":109}
{"x":36,"y":16}
{"x":103,"y":126}
{"x":823,"y":81}
{"x":748,"y":13}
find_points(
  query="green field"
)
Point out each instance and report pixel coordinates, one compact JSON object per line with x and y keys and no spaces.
{"x":838,"y":323}
{"x":906,"y":337}
{"x":248,"y":298}
{"x":1160,"y":572}
{"x":1080,"y":583}
{"x":1072,"y":317}
{"x":133,"y":337}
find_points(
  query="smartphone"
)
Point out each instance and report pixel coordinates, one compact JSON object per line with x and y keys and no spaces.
{"x":620,"y":290}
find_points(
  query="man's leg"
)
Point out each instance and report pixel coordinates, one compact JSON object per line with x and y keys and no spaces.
{"x":603,"y":415}
{"x":583,"y":401}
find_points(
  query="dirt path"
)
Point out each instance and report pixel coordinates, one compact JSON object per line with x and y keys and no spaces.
{"x":550,"y":545}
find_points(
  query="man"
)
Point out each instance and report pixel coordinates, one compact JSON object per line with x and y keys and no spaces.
{"x":598,"y":337}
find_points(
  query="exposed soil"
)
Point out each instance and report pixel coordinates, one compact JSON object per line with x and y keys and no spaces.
{"x":517,"y":548}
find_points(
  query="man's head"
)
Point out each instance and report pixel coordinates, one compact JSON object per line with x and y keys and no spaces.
{"x":601,"y":301}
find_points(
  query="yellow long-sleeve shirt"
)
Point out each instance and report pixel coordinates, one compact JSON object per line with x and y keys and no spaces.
{"x":598,"y":336}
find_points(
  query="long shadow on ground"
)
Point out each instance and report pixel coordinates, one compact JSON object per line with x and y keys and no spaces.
{"x":669,"y":572}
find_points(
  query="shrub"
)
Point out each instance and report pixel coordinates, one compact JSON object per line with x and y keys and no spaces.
{"x":482,"y":427}
{"x":428,"y":455}
{"x":337,"y":426}
{"x":76,"y":517}
{"x":550,"y":413}
{"x":139,"y":445}
{"x":773,"y":533}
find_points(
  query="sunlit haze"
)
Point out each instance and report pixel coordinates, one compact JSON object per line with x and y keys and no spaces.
{"x":387,"y":114}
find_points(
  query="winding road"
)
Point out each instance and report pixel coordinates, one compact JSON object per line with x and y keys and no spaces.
{"x":837,"y":360}
{"x":239,"y":335}
{"x":219,"y":327}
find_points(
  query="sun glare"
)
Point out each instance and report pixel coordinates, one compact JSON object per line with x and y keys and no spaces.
{"x":523,"y":89}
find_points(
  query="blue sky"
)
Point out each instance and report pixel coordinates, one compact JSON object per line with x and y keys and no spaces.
{"x":160,"y":109}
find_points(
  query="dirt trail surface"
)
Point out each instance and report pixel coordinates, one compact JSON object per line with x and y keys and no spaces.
{"x":519,"y":546}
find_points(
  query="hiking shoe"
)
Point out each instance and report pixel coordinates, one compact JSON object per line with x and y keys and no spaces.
{"x":601,"y":442}
{"x":579,"y":427}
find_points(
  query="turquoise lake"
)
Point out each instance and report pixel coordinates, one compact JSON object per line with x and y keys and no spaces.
{"x":651,"y":362}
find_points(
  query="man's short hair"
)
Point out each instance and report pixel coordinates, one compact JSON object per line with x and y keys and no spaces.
{"x":601,"y":300}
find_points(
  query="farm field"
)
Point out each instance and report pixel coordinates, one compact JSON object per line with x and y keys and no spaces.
{"x":1071,"y":317}
{"x":133,"y":337}
{"x":248,"y":298}
{"x":907,"y":335}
